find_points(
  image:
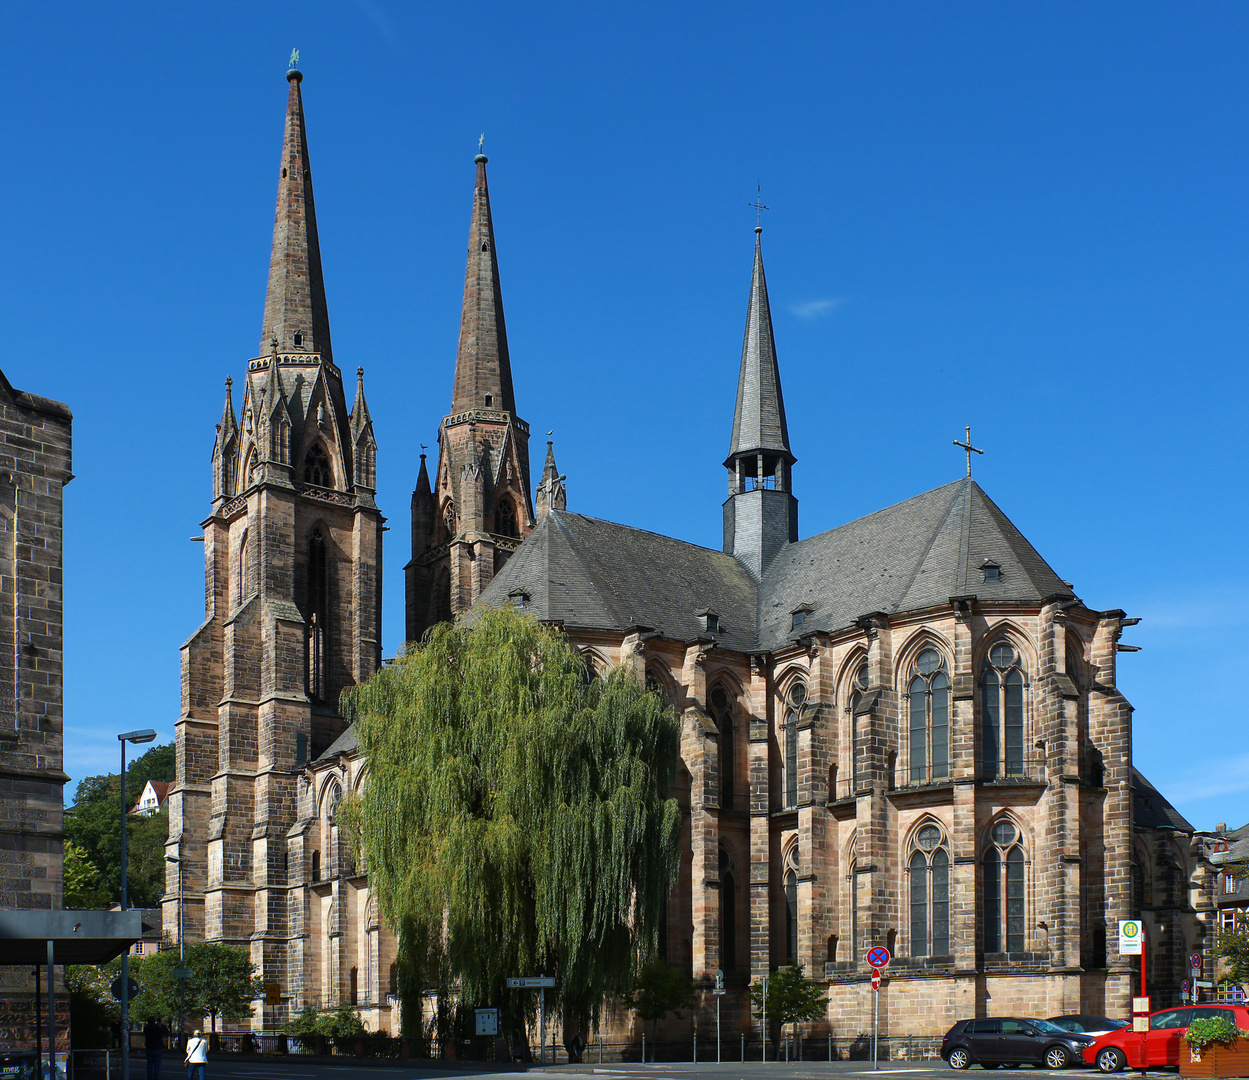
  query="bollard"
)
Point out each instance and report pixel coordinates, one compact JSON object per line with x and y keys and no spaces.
{"x":644,"y":1048}
{"x":600,"y":1049}
{"x":696,"y":1048}
{"x":830,"y":1046}
{"x":743,"y":1046}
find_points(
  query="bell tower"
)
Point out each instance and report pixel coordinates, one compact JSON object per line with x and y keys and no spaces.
{"x":476,"y":509}
{"x":292,"y":560}
{"x":761,"y":513}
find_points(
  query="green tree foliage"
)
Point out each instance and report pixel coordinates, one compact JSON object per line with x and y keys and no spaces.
{"x":157,"y":998}
{"x":92,"y":1008}
{"x":84,"y":886}
{"x":1232,"y":947}
{"x":792,"y":998}
{"x":516,"y":818}
{"x":225,"y":982}
{"x":93,"y":826}
{"x":661,"y":989}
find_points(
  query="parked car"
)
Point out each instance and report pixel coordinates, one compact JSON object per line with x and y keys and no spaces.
{"x":1163,"y":1043}
{"x":1089,"y":1025}
{"x":1010,"y":1041}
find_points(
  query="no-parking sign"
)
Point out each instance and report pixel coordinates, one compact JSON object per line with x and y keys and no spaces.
{"x":878,"y":957}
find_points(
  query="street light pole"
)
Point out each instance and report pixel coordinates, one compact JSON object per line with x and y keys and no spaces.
{"x":144,"y":735}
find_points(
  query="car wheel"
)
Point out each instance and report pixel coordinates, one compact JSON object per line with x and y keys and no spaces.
{"x":959,"y":1058}
{"x":1056,"y":1057}
{"x":1111,"y":1060}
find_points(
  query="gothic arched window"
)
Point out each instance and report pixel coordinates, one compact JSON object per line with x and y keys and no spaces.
{"x":318,"y":614}
{"x":791,"y":906}
{"x":1001,"y":721}
{"x":728,"y":912}
{"x":1004,"y":889}
{"x":857,"y":690}
{"x":929,"y":868}
{"x":722,"y":714}
{"x":317,"y":467}
{"x":331,"y":803}
{"x":929,"y":707}
{"x":505,"y":519}
{"x":242,"y":566}
{"x":794,"y":700}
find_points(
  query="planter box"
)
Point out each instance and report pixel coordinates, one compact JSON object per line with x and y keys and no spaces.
{"x":1215,"y":1061}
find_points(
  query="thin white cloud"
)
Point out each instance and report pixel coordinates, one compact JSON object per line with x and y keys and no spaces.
{"x":816,"y":309}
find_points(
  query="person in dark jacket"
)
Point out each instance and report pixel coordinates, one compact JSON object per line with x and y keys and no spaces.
{"x":154,"y":1035}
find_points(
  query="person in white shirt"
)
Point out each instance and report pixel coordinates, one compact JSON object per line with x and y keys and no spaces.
{"x":196,"y":1055}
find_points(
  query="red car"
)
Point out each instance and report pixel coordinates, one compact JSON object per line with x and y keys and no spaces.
{"x":1163,"y":1043}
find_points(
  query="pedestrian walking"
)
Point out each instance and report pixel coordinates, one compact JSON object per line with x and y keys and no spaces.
{"x":196,"y":1055}
{"x":154,"y":1035}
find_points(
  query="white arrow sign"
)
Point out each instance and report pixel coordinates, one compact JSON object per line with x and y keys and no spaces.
{"x":536,"y":982}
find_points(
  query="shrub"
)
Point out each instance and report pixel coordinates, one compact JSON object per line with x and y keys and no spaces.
{"x":1216,"y":1030}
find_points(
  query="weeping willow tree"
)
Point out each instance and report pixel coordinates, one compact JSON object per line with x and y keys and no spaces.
{"x":516,"y":819}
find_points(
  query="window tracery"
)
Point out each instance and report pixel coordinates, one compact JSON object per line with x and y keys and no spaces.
{"x":791,"y":903}
{"x":795,"y":698}
{"x":318,"y":614}
{"x":728,"y":911}
{"x":929,"y":710}
{"x":1004,"y":887}
{"x":1002,"y":712}
{"x":721,"y":709}
{"x":858,"y":688}
{"x":317,"y":467}
{"x":929,"y":868}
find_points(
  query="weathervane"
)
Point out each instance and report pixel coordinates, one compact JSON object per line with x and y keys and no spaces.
{"x":759,"y":208}
{"x":294,"y":65}
{"x":967,"y":446}
{"x":481,"y":143}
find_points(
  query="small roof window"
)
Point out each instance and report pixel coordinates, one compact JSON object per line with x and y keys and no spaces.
{"x":798,"y":616}
{"x":992,"y":570}
{"x":710,"y":620}
{"x":519,"y":598}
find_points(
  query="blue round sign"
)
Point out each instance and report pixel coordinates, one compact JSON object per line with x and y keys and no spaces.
{"x":878,"y":957}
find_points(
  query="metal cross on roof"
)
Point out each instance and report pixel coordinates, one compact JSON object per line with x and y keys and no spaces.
{"x":967,"y":446}
{"x":758,"y":206}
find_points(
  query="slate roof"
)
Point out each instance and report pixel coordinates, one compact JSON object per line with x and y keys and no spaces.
{"x":346,"y":743}
{"x":591,"y":573}
{"x":1150,"y":810}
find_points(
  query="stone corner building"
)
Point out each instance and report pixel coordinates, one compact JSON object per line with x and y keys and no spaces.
{"x":35,"y":465}
{"x":903,"y":731}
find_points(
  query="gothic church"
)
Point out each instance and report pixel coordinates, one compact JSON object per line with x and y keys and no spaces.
{"x":904,"y":731}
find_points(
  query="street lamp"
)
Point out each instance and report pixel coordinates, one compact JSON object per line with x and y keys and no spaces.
{"x":142,"y":736}
{"x":181,"y":948}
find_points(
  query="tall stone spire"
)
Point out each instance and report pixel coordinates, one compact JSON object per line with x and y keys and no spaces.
{"x":295,"y":311}
{"x":483,"y":370}
{"x":760,"y":514}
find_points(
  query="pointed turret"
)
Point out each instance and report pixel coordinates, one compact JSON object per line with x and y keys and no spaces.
{"x":364,"y":446}
{"x":551,"y":492}
{"x":759,"y":420}
{"x":760,"y":514}
{"x":225,"y":451}
{"x":295,"y":311}
{"x":483,"y":370}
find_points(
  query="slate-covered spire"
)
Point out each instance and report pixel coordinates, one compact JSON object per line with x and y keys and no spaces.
{"x":295,"y":311}
{"x":759,"y":420}
{"x":483,"y":371}
{"x":761,"y":513}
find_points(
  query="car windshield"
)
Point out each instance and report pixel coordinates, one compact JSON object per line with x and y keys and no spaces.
{"x":1048,"y":1028}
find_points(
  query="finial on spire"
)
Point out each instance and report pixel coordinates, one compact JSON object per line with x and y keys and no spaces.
{"x":758,"y":207}
{"x":292,"y":69}
{"x":229,"y":383}
{"x":968,"y":448}
{"x":360,"y":373}
{"x":481,"y":158}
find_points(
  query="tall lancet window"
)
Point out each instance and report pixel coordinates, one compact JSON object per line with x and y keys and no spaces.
{"x":505,"y":519}
{"x":1002,"y":688}
{"x":722,"y":714}
{"x":1004,"y":889}
{"x":318,"y":615}
{"x":728,"y":911}
{"x":791,"y":905}
{"x":857,"y":690}
{"x":793,"y":712}
{"x":929,"y":706}
{"x":929,"y":867}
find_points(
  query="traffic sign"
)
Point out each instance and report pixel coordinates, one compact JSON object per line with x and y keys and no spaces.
{"x":116,"y":989}
{"x":537,"y":982}
{"x":878,"y":957}
{"x":273,"y":993}
{"x":1184,"y":986}
{"x":184,"y":973}
{"x":1195,"y":960}
{"x":1130,"y":937}
{"x":875,"y":978}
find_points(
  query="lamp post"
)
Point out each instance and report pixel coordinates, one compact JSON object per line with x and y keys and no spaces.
{"x":144,"y":735}
{"x":181,"y":948}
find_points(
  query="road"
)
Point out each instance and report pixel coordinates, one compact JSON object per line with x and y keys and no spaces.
{"x":277,"y":1069}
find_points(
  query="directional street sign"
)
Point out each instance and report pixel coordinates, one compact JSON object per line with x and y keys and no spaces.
{"x":537,"y":982}
{"x":273,"y":993}
{"x":878,"y":957}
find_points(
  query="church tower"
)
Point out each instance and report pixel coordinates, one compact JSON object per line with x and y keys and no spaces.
{"x":474,"y":513}
{"x":761,"y":513}
{"x":292,"y":556}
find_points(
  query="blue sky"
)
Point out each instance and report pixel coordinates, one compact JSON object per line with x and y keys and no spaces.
{"x":1027,"y":218}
